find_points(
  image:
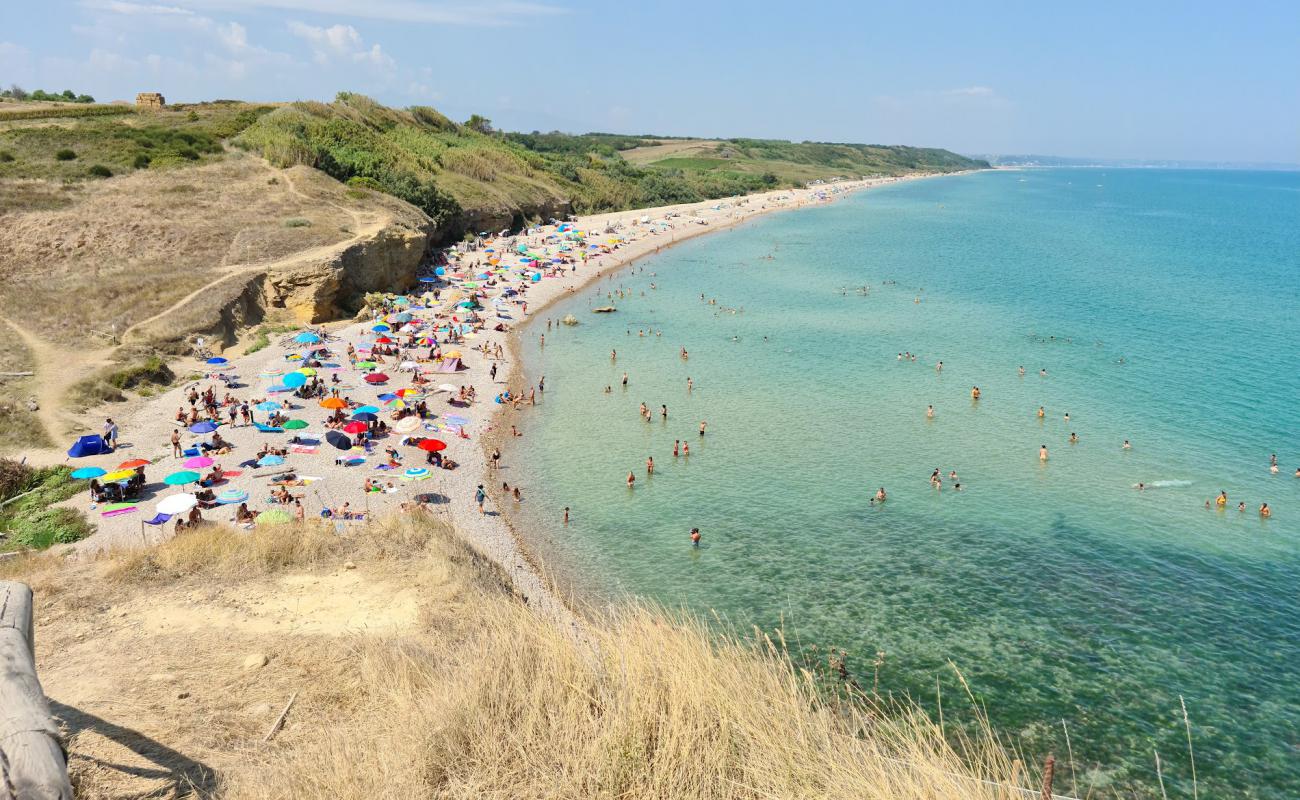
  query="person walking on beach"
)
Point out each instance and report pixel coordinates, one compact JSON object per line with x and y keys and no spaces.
{"x":480,"y":497}
{"x":176,"y":443}
{"x":492,"y":373}
{"x":110,"y":433}
{"x":695,"y":536}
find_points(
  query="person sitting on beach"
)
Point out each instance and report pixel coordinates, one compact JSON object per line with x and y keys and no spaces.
{"x":243,"y":516}
{"x":196,"y":518}
{"x":217,"y":475}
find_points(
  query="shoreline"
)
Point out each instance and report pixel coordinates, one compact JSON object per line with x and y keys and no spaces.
{"x":148,"y":423}
{"x":560,"y":584}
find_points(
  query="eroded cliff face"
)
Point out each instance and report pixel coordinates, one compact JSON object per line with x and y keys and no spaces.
{"x":317,"y":290}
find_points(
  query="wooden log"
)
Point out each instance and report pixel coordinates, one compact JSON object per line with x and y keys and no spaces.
{"x":32,"y":764}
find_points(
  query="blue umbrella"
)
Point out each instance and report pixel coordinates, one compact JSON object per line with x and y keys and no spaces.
{"x":181,"y":478}
{"x":203,"y":427}
{"x":368,"y":409}
{"x":268,"y":405}
{"x":294,"y":379}
{"x":306,"y":337}
{"x":86,"y":473}
{"x":386,"y":396}
{"x":404,"y":317}
{"x":365,"y":416}
{"x":381,"y":328}
{"x":440,"y":271}
{"x":270,"y":460}
{"x":217,"y":360}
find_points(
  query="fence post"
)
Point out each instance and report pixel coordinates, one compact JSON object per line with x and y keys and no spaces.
{"x":1049,"y":770}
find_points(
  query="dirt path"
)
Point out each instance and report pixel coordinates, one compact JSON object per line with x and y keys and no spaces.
{"x":56,"y":371}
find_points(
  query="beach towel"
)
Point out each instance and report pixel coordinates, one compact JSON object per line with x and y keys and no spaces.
{"x":298,"y":448}
{"x":267,"y":428}
{"x":117,"y":509}
{"x":158,"y":519}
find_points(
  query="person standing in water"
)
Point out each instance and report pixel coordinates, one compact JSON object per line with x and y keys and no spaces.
{"x":1022,"y":370}
{"x":1126,"y":445}
{"x":566,"y":515}
{"x":929,"y":412}
{"x":1222,"y":500}
{"x":690,"y":384}
{"x":1265,"y":511}
{"x":1041,"y":412}
{"x":1042,"y":452}
{"x":650,"y":465}
{"x":631,"y":479}
{"x":880,"y":495}
{"x":703,"y":425}
{"x":695,"y":537}
{"x":677,"y":444}
{"x":974,"y":392}
{"x":625,"y":379}
{"x":938,"y":367}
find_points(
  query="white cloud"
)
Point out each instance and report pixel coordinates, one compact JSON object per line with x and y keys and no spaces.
{"x":441,"y":12}
{"x":340,"y":43}
{"x":970,"y":91}
{"x":234,"y":36}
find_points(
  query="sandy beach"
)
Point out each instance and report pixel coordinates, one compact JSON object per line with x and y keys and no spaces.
{"x":146,"y":428}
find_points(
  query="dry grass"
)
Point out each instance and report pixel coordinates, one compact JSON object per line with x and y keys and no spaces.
{"x":482,"y":698}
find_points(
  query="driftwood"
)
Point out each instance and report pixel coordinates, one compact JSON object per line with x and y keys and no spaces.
{"x":279,"y":721}
{"x":32,"y":764}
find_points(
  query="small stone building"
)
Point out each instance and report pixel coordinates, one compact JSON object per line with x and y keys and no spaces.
{"x":149,"y":100}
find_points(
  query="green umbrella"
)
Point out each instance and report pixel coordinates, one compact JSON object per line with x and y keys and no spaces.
{"x":294,"y":425}
{"x":273,"y":517}
{"x":366,"y":365}
{"x":181,"y":478}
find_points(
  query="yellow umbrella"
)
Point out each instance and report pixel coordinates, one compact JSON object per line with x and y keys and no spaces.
{"x":120,"y":475}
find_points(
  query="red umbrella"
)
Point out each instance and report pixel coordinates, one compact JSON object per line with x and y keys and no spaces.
{"x":432,"y":445}
{"x":354,"y":427}
{"x":376,"y":377}
{"x":383,"y":340}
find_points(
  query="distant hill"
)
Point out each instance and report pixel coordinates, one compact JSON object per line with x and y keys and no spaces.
{"x":1129,"y":163}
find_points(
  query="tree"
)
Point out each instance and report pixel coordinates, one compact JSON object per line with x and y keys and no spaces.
{"x":479,"y":123}
{"x":17,"y":92}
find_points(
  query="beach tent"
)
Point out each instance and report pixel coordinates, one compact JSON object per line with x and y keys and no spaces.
{"x":88,"y":445}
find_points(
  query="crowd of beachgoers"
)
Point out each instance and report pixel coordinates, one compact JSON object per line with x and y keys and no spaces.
{"x":394,"y":412}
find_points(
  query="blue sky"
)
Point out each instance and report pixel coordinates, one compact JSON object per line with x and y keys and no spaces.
{"x":1182,"y":80}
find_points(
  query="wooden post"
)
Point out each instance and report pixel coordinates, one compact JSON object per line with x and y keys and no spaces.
{"x":1049,"y":770}
{"x":32,"y":765}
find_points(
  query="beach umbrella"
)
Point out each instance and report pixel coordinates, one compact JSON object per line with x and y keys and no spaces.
{"x":133,"y":463}
{"x":119,"y":475}
{"x":365,"y":410}
{"x":376,"y":377}
{"x":273,"y":517}
{"x":333,"y":402}
{"x":384,"y":396}
{"x":306,"y":337}
{"x":294,"y":424}
{"x":366,"y":365}
{"x":432,"y":445}
{"x":177,"y":504}
{"x":405,"y":316}
{"x":271,"y":372}
{"x":355,"y":427}
{"x":181,"y":478}
{"x":396,"y":403}
{"x":380,"y":328}
{"x":307,"y":371}
{"x":338,"y":439}
{"x":415,"y":474}
{"x":270,"y":460}
{"x":268,"y":405}
{"x":232,"y":496}
{"x":218,"y":360}
{"x":383,"y":340}
{"x":198,"y":462}
{"x":364,"y":416}
{"x":406,"y":392}
{"x":86,"y":473}
{"x":407,"y":424}
{"x":203,"y":427}
{"x":294,"y":379}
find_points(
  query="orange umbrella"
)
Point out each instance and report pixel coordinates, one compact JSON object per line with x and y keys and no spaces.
{"x":333,"y":402}
{"x":133,"y":463}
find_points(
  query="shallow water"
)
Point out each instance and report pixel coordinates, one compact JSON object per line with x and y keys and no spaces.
{"x":1163,"y":306}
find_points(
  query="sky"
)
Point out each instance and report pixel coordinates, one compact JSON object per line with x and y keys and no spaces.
{"x":1149,"y":80}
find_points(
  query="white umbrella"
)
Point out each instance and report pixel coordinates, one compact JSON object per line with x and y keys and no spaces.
{"x":177,"y":503}
{"x":407,"y":424}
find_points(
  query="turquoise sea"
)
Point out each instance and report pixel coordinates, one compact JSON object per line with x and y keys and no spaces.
{"x":1164,"y":307}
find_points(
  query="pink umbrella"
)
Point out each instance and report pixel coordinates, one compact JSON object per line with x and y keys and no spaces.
{"x":199,"y":462}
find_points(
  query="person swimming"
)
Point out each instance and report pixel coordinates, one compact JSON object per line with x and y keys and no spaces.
{"x":1126,"y":445}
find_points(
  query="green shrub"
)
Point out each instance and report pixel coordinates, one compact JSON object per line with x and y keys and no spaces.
{"x":101,"y":171}
{"x":365,"y":182}
{"x":6,"y":156}
{"x":65,"y":154}
{"x":297,"y":222}
{"x":141,"y":161}
{"x":188,"y":153}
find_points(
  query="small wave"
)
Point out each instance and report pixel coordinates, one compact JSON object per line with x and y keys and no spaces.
{"x":1165,"y":484}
